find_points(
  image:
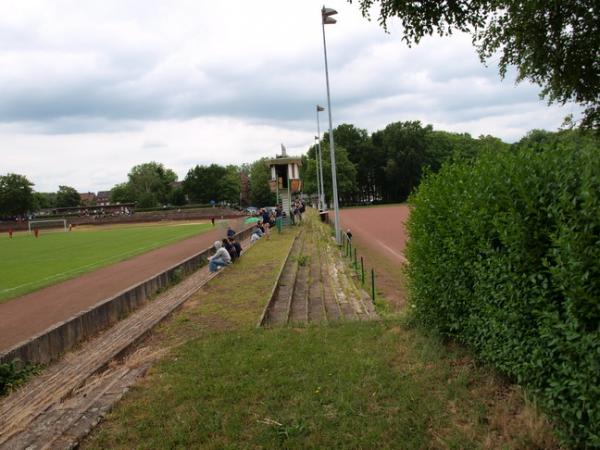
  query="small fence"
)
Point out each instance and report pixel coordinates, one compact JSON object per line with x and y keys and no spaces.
{"x":367,"y":279}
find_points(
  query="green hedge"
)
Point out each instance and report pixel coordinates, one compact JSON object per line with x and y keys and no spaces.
{"x":504,"y":256}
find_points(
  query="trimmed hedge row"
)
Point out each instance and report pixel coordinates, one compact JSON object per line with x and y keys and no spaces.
{"x":505,"y":256}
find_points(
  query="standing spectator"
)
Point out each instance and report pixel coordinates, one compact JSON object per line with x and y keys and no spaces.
{"x":212,"y":220}
{"x":220,"y":259}
{"x":349,"y":234}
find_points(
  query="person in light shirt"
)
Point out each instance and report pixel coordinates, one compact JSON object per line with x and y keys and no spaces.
{"x":220,"y":259}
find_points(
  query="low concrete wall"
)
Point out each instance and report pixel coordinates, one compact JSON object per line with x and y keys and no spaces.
{"x":53,"y":342}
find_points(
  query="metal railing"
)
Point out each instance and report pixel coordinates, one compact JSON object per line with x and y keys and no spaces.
{"x":349,"y":250}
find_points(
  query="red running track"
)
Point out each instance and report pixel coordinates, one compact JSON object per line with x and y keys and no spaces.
{"x":382,"y":228}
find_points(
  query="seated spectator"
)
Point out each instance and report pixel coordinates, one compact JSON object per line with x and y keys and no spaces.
{"x":255,"y":236}
{"x":265,"y":216}
{"x":230,"y":249}
{"x":237,"y":245}
{"x":259,"y":230}
{"x":230,"y":232}
{"x":220,"y":259}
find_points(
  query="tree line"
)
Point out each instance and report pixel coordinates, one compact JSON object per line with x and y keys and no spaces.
{"x":384,"y":166}
{"x":148,"y":185}
{"x":388,"y":164}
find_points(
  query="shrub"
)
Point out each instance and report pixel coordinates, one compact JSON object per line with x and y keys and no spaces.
{"x":504,"y":255}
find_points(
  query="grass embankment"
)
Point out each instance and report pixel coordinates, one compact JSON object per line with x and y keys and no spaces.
{"x":375,"y":384}
{"x":28,"y":264}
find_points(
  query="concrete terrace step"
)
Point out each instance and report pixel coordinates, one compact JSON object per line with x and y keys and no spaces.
{"x":315,"y":285}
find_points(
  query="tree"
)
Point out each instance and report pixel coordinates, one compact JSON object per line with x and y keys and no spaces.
{"x":44,"y":200}
{"x":553,"y":44}
{"x":149,"y":184}
{"x":67,"y":196}
{"x":229,"y":185}
{"x":406,"y":153}
{"x":260,"y":192}
{"x":121,"y":194}
{"x":202,"y":184}
{"x":177,"y":197}
{"x":16,"y":195}
{"x":346,"y":173}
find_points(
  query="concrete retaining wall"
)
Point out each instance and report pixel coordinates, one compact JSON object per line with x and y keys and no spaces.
{"x":52,"y":343}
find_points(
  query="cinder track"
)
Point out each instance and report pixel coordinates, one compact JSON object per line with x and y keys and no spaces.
{"x":315,"y":285}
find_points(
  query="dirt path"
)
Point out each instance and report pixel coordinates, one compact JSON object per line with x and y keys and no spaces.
{"x":31,"y":314}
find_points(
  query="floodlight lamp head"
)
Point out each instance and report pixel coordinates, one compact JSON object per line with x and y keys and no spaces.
{"x":329,"y":20}
{"x":320,"y":108}
{"x":326,"y":12}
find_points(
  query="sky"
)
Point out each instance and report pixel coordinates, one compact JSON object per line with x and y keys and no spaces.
{"x":90,"y":89}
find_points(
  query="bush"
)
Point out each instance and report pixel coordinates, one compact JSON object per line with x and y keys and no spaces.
{"x":505,"y":256}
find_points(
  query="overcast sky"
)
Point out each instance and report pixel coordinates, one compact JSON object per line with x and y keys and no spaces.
{"x":89,"y":89}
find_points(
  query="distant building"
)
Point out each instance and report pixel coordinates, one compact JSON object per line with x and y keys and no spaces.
{"x":176,"y":184}
{"x":88,"y":198}
{"x":103,"y":198}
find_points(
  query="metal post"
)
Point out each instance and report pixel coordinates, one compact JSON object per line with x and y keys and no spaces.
{"x":355,"y":264}
{"x":322,"y":198}
{"x":362,"y":270}
{"x":319,"y":208}
{"x":373,"y":284}
{"x":336,"y":207}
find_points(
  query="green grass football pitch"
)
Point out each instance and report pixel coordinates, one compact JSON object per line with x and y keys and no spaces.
{"x":28,"y":264}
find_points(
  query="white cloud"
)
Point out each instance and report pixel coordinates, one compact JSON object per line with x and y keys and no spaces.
{"x":89,"y":89}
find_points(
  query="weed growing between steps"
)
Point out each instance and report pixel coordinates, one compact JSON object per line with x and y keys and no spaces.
{"x":13,"y":375}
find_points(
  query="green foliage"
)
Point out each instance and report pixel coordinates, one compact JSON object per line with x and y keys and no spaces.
{"x":346,"y":173}
{"x":67,"y":196}
{"x":553,"y":44}
{"x":204,"y":184}
{"x":505,"y":256}
{"x":16,"y":195}
{"x":177,"y":197}
{"x":148,"y":185}
{"x":44,"y":200}
{"x":121,"y":193}
{"x":13,"y":374}
{"x":260,"y":192}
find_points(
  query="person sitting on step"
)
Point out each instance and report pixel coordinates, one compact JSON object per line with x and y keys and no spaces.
{"x":220,"y":259}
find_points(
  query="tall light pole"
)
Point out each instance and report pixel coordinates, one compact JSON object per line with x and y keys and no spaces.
{"x":326,"y":19}
{"x":317,"y":160}
{"x":320,"y":166}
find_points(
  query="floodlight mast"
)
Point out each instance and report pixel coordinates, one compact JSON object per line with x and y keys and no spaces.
{"x":320,"y":161}
{"x":326,"y":19}
{"x":317,"y":144}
